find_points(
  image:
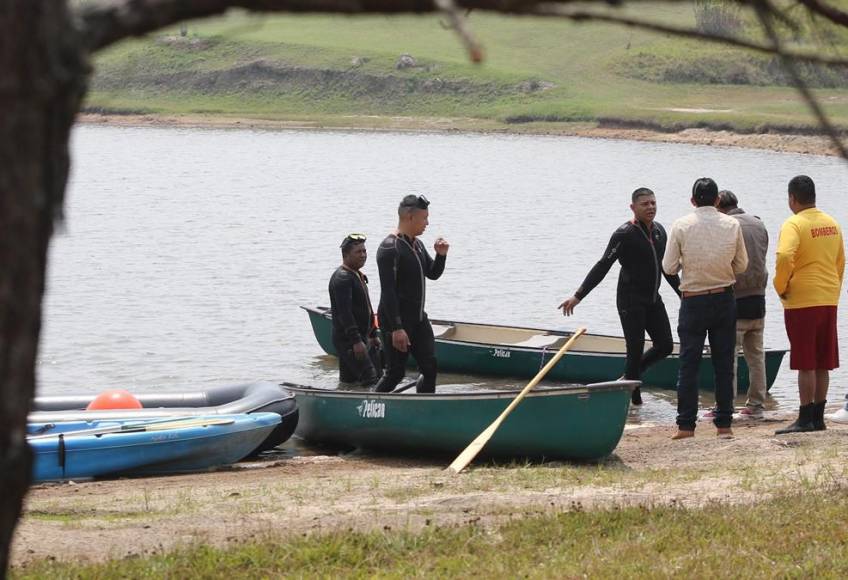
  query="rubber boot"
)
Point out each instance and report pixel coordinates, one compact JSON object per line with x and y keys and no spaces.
{"x":818,"y":416}
{"x":636,"y":396}
{"x":802,"y":424}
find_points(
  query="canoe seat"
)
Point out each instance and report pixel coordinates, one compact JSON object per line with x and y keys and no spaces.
{"x":539,"y":341}
{"x":443,"y":330}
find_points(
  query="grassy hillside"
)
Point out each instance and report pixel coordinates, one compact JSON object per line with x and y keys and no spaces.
{"x":536,"y":70}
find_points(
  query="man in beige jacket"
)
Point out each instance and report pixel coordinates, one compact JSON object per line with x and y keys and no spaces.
{"x":708,"y":247}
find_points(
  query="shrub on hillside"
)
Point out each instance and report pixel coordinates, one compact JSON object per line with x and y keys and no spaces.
{"x":718,"y":17}
{"x":731,"y":68}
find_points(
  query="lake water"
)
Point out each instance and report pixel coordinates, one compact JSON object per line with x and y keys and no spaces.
{"x":186,"y":253}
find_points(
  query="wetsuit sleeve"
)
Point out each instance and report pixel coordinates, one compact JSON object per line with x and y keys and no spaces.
{"x":342,"y":289}
{"x":436,"y":267}
{"x":602,"y":267}
{"x":387,"y":259}
{"x":674,"y":282}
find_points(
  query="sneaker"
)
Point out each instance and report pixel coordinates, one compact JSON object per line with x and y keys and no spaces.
{"x":751,"y":413}
{"x":840,"y":416}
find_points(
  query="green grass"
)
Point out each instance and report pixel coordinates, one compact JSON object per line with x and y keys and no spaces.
{"x":791,"y":536}
{"x":300,"y":67}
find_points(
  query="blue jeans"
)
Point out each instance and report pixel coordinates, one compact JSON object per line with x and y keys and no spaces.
{"x":713,"y":316}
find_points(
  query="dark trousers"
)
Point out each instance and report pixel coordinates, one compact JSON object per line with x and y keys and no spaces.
{"x":713,"y":316}
{"x":363,"y":371}
{"x":636,"y":319}
{"x":422,"y":348}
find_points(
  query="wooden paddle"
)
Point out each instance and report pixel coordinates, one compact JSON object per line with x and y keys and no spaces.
{"x":158,"y":425}
{"x":476,"y":446}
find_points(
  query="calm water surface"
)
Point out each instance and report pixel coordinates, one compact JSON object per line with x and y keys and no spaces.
{"x":186,"y":252}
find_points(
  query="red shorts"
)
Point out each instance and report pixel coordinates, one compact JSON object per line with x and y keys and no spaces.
{"x":812,"y":338}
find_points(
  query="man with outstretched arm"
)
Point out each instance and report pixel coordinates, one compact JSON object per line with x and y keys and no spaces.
{"x":354,"y":328}
{"x":808,"y":278}
{"x":404,"y":265}
{"x":638,"y":245}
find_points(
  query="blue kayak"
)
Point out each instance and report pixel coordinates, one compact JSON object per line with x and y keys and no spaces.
{"x":85,"y":449}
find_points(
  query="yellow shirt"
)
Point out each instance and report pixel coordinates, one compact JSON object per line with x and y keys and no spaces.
{"x":810,"y":260}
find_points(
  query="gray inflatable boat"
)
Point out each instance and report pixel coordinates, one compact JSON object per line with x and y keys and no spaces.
{"x":261,"y":397}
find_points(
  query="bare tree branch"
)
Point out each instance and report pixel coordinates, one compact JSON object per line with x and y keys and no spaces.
{"x":832,"y":13}
{"x":475,"y":51}
{"x":105,"y":25}
{"x":764,"y":10}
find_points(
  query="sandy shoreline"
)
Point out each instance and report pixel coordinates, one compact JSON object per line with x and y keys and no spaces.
{"x":785,"y":143}
{"x":287,"y":496}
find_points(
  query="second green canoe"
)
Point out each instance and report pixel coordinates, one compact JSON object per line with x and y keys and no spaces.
{"x":507,"y":351}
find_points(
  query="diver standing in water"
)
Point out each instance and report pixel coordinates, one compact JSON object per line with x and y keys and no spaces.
{"x":404,"y":264}
{"x":354,"y":328}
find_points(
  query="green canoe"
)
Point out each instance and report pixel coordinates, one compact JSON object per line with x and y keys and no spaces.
{"x":574,"y":422}
{"x":507,"y":351}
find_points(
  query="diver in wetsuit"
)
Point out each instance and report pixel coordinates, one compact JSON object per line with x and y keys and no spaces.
{"x":404,"y":263}
{"x":354,"y":328}
{"x":638,"y":245}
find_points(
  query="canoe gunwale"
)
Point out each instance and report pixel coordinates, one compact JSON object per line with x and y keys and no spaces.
{"x":575,"y":390}
{"x":325,"y":312}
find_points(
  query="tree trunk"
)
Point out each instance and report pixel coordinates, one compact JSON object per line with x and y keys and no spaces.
{"x":43,"y":78}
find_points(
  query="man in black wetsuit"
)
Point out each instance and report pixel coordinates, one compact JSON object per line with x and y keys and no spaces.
{"x":639,"y":246}
{"x":404,"y":263}
{"x":354,"y":328}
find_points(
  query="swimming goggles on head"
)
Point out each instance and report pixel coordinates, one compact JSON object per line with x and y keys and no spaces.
{"x":352,"y":239}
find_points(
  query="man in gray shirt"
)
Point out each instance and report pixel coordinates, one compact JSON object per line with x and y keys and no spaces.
{"x":750,"y":290}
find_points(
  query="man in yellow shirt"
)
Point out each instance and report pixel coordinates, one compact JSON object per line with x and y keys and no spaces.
{"x":808,"y":278}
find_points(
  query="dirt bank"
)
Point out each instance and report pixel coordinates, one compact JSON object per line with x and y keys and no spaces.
{"x":277,"y":497}
{"x":804,"y":144}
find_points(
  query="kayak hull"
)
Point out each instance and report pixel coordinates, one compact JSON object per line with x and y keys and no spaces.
{"x":67,"y":452}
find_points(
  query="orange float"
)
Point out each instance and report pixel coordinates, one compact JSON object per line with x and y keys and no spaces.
{"x":114,"y":399}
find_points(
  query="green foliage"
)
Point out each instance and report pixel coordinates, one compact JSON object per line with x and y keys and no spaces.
{"x":663,"y":63}
{"x":718,"y":17}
